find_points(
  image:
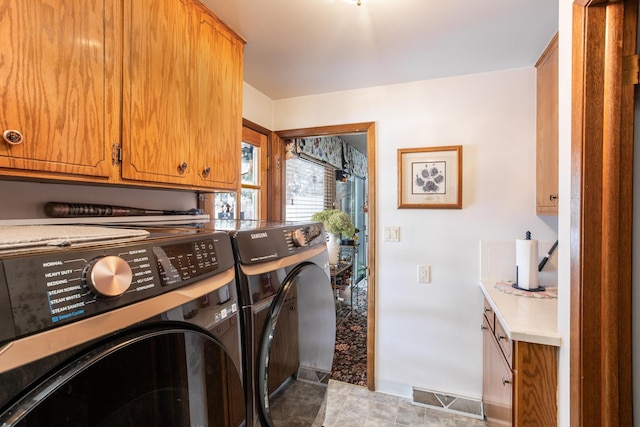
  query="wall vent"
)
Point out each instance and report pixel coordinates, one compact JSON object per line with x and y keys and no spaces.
{"x":448,"y":403}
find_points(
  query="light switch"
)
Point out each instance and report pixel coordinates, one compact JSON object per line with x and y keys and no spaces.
{"x":391,"y":234}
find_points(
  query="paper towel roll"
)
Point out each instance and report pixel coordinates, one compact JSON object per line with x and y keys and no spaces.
{"x":527,"y":264}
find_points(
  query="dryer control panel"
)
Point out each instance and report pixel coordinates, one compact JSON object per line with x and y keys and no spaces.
{"x":50,"y":289}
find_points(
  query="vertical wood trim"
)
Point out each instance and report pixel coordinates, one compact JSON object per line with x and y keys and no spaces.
{"x":275,"y":178}
{"x":372,"y":255}
{"x":610,"y":207}
{"x":601,"y":213}
{"x":627,"y":113}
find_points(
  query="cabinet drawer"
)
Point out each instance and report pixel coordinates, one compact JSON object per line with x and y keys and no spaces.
{"x":489,"y":315}
{"x":505,"y":343}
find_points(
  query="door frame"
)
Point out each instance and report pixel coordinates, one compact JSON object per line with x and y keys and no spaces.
{"x":601,"y":212}
{"x":276,"y":208}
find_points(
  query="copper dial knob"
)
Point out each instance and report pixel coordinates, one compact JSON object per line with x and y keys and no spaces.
{"x":109,"y":276}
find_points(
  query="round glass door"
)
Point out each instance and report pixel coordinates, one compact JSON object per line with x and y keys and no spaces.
{"x":295,"y":351}
{"x":168,"y":374}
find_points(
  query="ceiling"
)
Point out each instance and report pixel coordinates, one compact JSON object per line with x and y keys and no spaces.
{"x":305,"y":47}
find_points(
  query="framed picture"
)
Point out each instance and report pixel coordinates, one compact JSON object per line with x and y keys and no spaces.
{"x":430,"y":178}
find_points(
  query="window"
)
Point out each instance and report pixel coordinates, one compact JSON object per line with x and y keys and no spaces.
{"x":252,"y":200}
{"x":310,"y":188}
{"x":249,"y":195}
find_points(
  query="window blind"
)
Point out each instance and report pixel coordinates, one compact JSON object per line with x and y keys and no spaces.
{"x":310,"y":188}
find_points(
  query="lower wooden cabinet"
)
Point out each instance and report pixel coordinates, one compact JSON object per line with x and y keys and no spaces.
{"x":519,"y":379}
{"x":497,"y":381}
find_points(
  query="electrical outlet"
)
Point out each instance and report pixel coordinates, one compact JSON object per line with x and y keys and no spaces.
{"x":424,"y":274}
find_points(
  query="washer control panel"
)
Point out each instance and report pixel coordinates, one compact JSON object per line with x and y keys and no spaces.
{"x":55,"y":288}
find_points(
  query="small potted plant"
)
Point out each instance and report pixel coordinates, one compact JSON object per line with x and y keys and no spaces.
{"x":336,"y":223}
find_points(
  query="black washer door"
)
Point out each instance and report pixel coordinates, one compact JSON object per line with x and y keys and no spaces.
{"x":301,"y":316}
{"x":170,"y":374}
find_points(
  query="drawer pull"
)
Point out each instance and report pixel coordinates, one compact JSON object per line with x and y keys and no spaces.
{"x":482,"y":327}
{"x":505,"y":382}
{"x":487,"y":310}
{"x":206,"y":171}
{"x":12,"y":137}
{"x":501,"y":337}
{"x":182,"y":167}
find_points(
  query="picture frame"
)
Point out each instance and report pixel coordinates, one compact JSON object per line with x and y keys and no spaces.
{"x":430,"y":177}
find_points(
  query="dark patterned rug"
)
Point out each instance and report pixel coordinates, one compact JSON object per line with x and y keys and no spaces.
{"x":350,"y":357}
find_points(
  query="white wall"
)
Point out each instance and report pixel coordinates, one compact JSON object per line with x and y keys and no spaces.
{"x":564,"y":202}
{"x":257,"y":107}
{"x":429,"y":335}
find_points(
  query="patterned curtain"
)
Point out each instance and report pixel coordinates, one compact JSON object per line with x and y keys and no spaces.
{"x":331,"y":150}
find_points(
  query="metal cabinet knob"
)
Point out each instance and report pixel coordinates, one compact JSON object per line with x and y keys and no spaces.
{"x":182,"y":167}
{"x":505,"y":382}
{"x":501,"y":337}
{"x":553,"y":197}
{"x":12,"y":136}
{"x":482,"y":327}
{"x":206,"y":171}
{"x":487,"y":310}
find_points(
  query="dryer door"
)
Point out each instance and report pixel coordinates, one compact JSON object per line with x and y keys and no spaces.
{"x":301,"y":322}
{"x":169,"y":374}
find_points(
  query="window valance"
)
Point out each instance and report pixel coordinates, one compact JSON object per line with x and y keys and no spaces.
{"x":331,"y":150}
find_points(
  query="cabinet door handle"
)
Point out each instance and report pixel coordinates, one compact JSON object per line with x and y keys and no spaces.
{"x":482,"y":327}
{"x":12,"y":136}
{"x":505,"y":382}
{"x":553,"y":197}
{"x":206,"y":171}
{"x":182,"y":167}
{"x":487,"y":310}
{"x":501,"y":337}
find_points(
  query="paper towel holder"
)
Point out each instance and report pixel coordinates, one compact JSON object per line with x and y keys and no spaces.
{"x":540,"y":288}
{"x":516,"y":284}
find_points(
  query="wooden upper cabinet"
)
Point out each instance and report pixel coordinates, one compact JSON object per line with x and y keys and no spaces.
{"x":181,"y":96}
{"x":57,"y":78}
{"x":547,"y":131}
{"x":156,"y":91}
{"x":217,"y":89}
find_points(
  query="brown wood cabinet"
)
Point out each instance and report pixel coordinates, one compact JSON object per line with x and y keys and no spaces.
{"x":519,"y":385}
{"x":547,"y":131}
{"x":57,"y":93}
{"x":137,"y":93}
{"x":181,"y":118}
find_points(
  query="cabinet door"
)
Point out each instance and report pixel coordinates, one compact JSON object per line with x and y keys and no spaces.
{"x":217,"y":86}
{"x":547,"y":131}
{"x":58,"y":86}
{"x":497,"y":390}
{"x":157,"y":92}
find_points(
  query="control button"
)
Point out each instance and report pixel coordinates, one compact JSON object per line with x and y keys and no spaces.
{"x":299,"y":237}
{"x":109,"y":276}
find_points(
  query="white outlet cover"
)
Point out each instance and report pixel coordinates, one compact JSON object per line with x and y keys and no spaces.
{"x":424,"y":274}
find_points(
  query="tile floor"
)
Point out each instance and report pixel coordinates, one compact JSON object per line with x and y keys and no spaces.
{"x":355,"y":406}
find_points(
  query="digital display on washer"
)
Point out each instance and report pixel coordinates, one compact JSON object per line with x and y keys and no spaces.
{"x":179,"y":262}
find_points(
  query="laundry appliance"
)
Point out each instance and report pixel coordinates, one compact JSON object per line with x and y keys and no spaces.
{"x":122,"y":333}
{"x":288,"y":320}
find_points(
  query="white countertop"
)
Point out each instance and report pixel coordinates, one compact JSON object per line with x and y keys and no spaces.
{"x":533,"y":320}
